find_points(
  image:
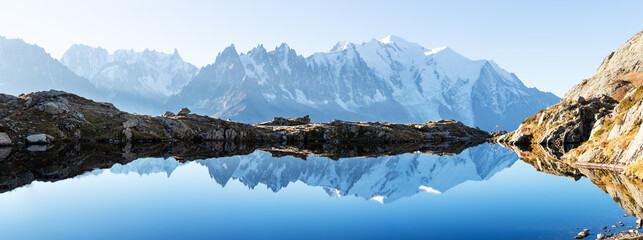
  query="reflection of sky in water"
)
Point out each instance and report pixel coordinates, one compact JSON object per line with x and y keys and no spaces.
{"x":516,"y":202}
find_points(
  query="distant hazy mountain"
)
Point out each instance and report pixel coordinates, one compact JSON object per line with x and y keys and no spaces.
{"x":384,"y":179}
{"x":27,"y":68}
{"x":134,"y":81}
{"x":381,"y":80}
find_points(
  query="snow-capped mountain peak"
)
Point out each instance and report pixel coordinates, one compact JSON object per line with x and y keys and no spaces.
{"x":392,"y":39}
{"x":146,"y":73}
{"x":437,"y":50}
{"x":341,"y":46}
{"x":389,"y":79}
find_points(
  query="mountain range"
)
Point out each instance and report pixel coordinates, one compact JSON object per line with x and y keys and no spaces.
{"x":389,"y":79}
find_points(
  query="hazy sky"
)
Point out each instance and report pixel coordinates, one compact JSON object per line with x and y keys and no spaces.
{"x":549,"y":44}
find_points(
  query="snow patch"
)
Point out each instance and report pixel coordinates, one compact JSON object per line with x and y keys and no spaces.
{"x":378,"y":198}
{"x":429,"y":190}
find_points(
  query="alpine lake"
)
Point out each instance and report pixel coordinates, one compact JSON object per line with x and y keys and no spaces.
{"x":224,"y":190}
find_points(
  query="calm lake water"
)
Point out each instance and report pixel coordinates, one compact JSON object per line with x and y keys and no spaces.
{"x":485,"y":192}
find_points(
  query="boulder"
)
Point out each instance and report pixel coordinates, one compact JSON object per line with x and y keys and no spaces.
{"x":4,"y":139}
{"x":581,"y":100}
{"x":168,"y":114}
{"x":335,"y":122}
{"x":4,"y":152}
{"x":128,"y":133}
{"x":54,"y":108}
{"x":39,"y":139}
{"x":130,"y":123}
{"x":230,"y":134}
{"x":184,"y":111}
{"x":37,"y":148}
{"x":582,"y":235}
{"x":279,"y":121}
{"x":214,"y":135}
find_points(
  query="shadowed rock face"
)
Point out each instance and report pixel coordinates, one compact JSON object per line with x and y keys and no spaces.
{"x":20,"y":165}
{"x":68,"y":117}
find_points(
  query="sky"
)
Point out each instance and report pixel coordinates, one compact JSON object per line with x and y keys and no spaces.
{"x":550,"y":45}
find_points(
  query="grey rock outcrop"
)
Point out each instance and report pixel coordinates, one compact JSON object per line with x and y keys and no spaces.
{"x":577,"y":122}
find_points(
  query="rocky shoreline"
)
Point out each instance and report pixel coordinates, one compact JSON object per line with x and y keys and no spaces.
{"x":55,"y":116}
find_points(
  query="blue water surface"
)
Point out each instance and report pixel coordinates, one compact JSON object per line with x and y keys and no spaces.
{"x":482,"y":193}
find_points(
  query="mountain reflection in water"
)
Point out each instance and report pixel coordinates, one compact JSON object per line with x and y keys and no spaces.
{"x":145,"y":189}
{"x":381,"y":173}
{"x":383,"y":179}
